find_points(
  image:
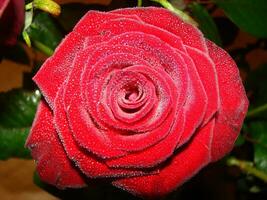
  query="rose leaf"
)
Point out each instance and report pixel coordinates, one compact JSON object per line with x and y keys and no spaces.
{"x":16,"y":115}
{"x":258,"y":131}
{"x":44,"y":33}
{"x":12,"y":143}
{"x":18,"y":108}
{"x":249,"y":15}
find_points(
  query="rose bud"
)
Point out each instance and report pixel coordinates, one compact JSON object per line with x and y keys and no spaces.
{"x":136,"y":97}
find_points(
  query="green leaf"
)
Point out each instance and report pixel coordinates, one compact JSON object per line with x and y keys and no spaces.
{"x":17,"y":111}
{"x":249,"y":15}
{"x":206,"y":23}
{"x":258,"y":130}
{"x":12,"y":143}
{"x":18,"y":108}
{"x":44,"y":33}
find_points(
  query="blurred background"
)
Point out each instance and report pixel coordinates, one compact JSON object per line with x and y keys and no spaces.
{"x":30,"y":30}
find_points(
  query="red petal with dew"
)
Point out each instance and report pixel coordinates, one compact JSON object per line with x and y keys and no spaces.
{"x":53,"y":165}
{"x":233,"y":102}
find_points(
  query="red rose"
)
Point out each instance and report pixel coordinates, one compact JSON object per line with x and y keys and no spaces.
{"x":11,"y":20}
{"x":137,"y":96}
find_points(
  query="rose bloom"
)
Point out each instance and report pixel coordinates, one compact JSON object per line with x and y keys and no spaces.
{"x":136,"y":97}
{"x":11,"y":20}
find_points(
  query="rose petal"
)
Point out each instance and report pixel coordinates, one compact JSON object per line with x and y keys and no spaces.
{"x":169,"y":59}
{"x":57,"y":67}
{"x":233,"y":105}
{"x":196,"y":102}
{"x":208,"y":75}
{"x":156,"y":154}
{"x":189,"y":34}
{"x":176,"y":171}
{"x":119,"y":26}
{"x":79,"y":120}
{"x":53,"y":165}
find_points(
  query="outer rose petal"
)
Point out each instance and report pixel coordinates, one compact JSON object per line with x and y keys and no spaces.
{"x":189,"y":34}
{"x":176,"y":171}
{"x":53,"y":165}
{"x":234,"y":103}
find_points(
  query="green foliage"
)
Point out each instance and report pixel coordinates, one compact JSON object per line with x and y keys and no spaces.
{"x":258,"y":131}
{"x":12,"y":143}
{"x":18,"y":108}
{"x":16,"y":115}
{"x":206,"y":23}
{"x":249,"y":15}
{"x":44,"y":33}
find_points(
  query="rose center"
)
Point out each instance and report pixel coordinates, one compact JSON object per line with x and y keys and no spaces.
{"x":132,"y":94}
{"x":129,"y":95}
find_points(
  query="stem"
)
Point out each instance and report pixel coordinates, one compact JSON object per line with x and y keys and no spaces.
{"x":43,"y":48}
{"x":247,"y":167}
{"x":254,"y":112}
{"x":180,"y":13}
{"x":139,"y":3}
